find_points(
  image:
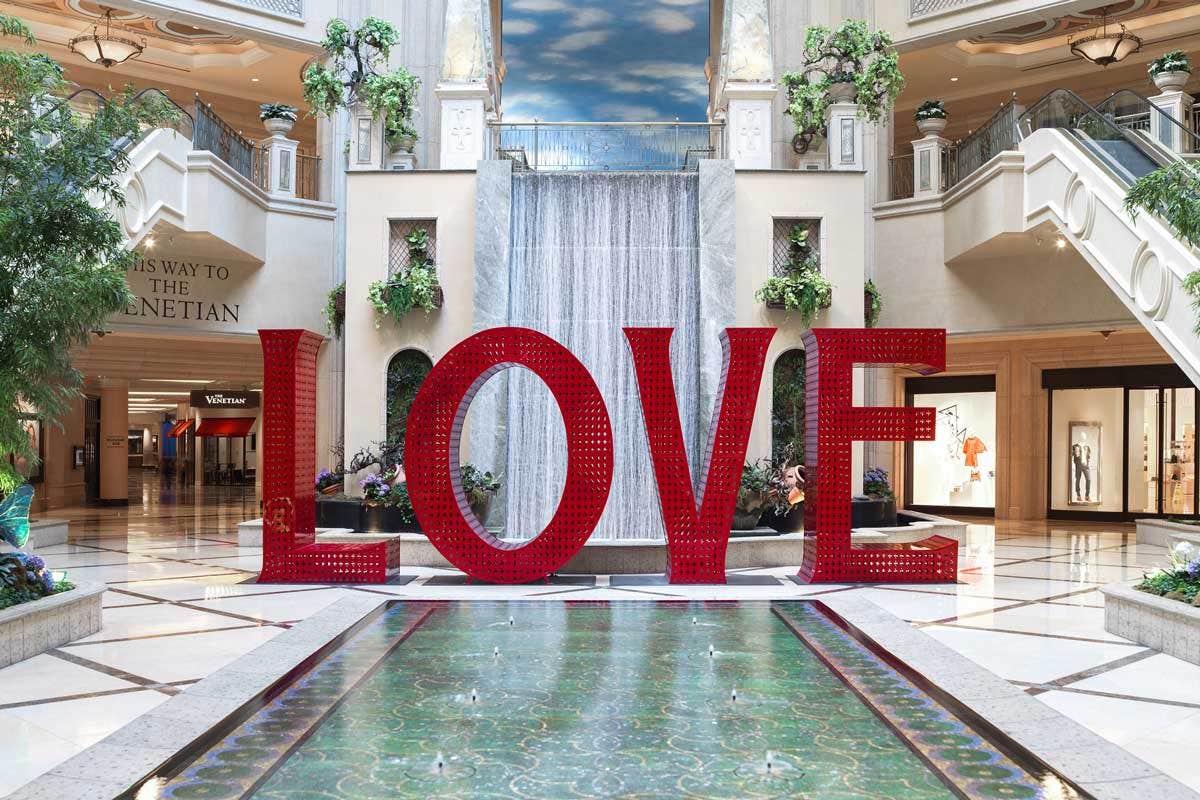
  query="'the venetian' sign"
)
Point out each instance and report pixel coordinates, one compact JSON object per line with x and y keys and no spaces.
{"x":223,"y":398}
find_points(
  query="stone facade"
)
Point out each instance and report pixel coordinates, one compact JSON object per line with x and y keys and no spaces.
{"x":1171,"y":626}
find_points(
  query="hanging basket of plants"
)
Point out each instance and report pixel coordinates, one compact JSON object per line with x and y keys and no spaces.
{"x":335,"y":310}
{"x":414,"y":285}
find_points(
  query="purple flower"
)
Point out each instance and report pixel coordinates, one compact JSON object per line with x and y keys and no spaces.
{"x":1193,"y":568}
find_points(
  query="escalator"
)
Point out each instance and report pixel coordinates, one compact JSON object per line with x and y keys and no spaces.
{"x":1079,"y":162}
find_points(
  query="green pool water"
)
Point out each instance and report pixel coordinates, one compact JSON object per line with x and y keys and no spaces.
{"x":630,"y":700}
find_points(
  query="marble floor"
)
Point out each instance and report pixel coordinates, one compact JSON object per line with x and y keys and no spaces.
{"x":176,"y":610}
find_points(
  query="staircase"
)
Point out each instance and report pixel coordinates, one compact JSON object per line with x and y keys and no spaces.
{"x":1078,"y":165}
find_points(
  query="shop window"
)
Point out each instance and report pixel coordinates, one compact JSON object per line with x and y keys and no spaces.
{"x":787,"y":407}
{"x":782,"y":249}
{"x":405,"y":373}
{"x":957,"y":470}
{"x":1086,"y":432}
{"x":403,"y":249}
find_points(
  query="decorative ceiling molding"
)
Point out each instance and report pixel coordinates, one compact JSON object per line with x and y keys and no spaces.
{"x":1077,"y":22}
{"x":82,"y":13}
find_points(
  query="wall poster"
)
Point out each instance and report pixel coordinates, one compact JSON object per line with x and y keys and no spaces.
{"x":1084,"y":465}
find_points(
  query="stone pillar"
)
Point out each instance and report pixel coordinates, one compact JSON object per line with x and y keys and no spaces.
{"x":927,"y":165}
{"x":748,"y":124}
{"x":365,"y":135}
{"x":1178,"y":107}
{"x":281,"y":161}
{"x":114,"y":445}
{"x":846,"y":138}
{"x":464,"y":131}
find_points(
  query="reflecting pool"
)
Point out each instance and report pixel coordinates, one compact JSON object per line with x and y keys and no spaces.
{"x":632,"y":700}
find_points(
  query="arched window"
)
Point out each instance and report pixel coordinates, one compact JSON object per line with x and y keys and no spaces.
{"x":405,"y":373}
{"x":787,"y":407}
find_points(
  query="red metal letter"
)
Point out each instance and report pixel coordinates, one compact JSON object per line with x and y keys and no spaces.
{"x":697,"y":537}
{"x":833,"y":423}
{"x":291,"y":553}
{"x":431,"y":457}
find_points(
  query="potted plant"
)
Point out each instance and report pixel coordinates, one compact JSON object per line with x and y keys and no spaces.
{"x":355,"y":72}
{"x":846,"y":64}
{"x":872,"y":303}
{"x":931,"y":117}
{"x":335,"y":309}
{"x":375,"y":495}
{"x":329,"y":482}
{"x":479,"y":488}
{"x":877,"y":509}
{"x":277,"y":118}
{"x":753,"y":496}
{"x":803,"y":288}
{"x":1171,"y":71}
{"x":414,"y":286}
{"x":786,"y":512}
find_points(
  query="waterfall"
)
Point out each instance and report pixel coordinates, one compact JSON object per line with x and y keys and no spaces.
{"x":591,"y":253}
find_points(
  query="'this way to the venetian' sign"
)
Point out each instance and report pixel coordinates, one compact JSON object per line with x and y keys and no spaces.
{"x":697,"y":527}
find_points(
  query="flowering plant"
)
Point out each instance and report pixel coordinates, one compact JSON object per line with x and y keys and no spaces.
{"x":326,"y":478}
{"x":876,"y":483}
{"x":24,"y":577}
{"x":375,"y":488}
{"x":1181,"y":579}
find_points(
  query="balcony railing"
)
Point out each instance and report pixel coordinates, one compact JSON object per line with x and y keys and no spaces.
{"x":926,"y":8}
{"x":900,"y":176}
{"x":615,"y":146}
{"x":995,"y":136}
{"x":247,"y":158}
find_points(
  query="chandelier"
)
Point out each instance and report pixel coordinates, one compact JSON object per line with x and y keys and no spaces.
{"x":105,"y":46}
{"x":1105,"y":46}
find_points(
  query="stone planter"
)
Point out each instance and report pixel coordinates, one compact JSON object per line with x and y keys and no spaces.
{"x":1164,"y":533}
{"x":1171,"y":81}
{"x":1169,"y":626}
{"x":29,"y":629}
{"x":787,"y":523}
{"x":277,"y":125}
{"x":932,"y":126}
{"x":480,"y":509}
{"x":842,"y":92}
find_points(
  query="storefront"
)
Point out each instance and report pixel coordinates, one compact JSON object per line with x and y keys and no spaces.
{"x":1122,"y":442}
{"x":956,"y":472}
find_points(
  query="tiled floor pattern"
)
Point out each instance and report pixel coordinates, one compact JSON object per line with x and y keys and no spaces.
{"x":1027,"y":609}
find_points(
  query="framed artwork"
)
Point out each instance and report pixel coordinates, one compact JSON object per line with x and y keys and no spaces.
{"x":1085,"y":465}
{"x":36,"y":431}
{"x":77,"y":457}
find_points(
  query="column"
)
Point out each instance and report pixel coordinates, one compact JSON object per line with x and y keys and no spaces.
{"x":281,"y":165}
{"x":114,"y":444}
{"x":748,"y":124}
{"x":846,"y":138}
{"x":463,"y":130}
{"x":1178,"y":107}
{"x":928,"y":159}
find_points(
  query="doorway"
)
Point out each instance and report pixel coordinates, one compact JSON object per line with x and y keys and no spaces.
{"x":91,"y":449}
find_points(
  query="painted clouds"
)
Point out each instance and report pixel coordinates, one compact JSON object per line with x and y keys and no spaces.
{"x":620,"y":60}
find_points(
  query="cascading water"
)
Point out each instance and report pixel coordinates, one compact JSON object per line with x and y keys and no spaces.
{"x":590,"y":254}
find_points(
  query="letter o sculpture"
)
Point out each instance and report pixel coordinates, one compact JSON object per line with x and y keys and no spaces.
{"x":431,"y":457}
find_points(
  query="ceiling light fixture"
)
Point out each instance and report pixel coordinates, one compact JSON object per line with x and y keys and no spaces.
{"x":107,"y":45}
{"x":1105,"y":46}
{"x":953,"y":78}
{"x":1061,"y":243}
{"x":254,"y":80}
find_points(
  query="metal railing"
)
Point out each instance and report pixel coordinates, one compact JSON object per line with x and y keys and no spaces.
{"x":615,"y":146}
{"x":216,"y":136}
{"x":307,"y":170}
{"x":1135,"y":112}
{"x":900,"y":177}
{"x":924,"y":8}
{"x":995,"y":136}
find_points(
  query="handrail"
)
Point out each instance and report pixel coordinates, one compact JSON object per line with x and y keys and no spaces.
{"x":1150,"y":109}
{"x":218,"y":137}
{"x":996,"y":135}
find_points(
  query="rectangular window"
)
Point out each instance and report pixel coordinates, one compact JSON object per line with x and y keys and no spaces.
{"x":404,"y":243}
{"x":958,"y":468}
{"x":782,"y":250}
{"x":364,"y":140}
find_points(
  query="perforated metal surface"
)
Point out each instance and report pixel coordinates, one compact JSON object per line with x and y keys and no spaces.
{"x":398,"y":229}
{"x":431,"y":458}
{"x":697,"y":534}
{"x":833,"y":424}
{"x":291,"y":553}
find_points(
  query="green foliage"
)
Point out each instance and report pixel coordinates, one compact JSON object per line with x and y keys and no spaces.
{"x":876,"y":303}
{"x":398,"y":498}
{"x":62,"y":257}
{"x":356,"y":72}
{"x":764,"y":486}
{"x":931,"y":109}
{"x":1179,"y":585}
{"x":335,"y":309}
{"x":405,"y":374}
{"x":850,"y":53}
{"x":415,"y":286}
{"x":477,"y":485}
{"x":803,"y":288}
{"x":1173,"y":195}
{"x":1174,"y":61}
{"x":787,"y":407}
{"x":277,"y":111}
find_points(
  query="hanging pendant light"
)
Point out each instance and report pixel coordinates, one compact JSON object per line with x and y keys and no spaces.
{"x":1105,"y":46}
{"x":104,"y":46}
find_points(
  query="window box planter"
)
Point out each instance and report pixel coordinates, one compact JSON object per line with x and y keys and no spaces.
{"x":1169,"y":626}
{"x":778,"y":305}
{"x":439,"y":297}
{"x":30,"y":629}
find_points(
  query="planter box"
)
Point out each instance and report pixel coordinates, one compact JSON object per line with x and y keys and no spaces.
{"x":30,"y":629}
{"x":384,"y":519}
{"x":339,"y":514}
{"x":873,"y":512}
{"x":1170,"y":626}
{"x":1165,"y":533}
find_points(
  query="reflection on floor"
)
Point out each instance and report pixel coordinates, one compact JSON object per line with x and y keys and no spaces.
{"x":1027,"y":609}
